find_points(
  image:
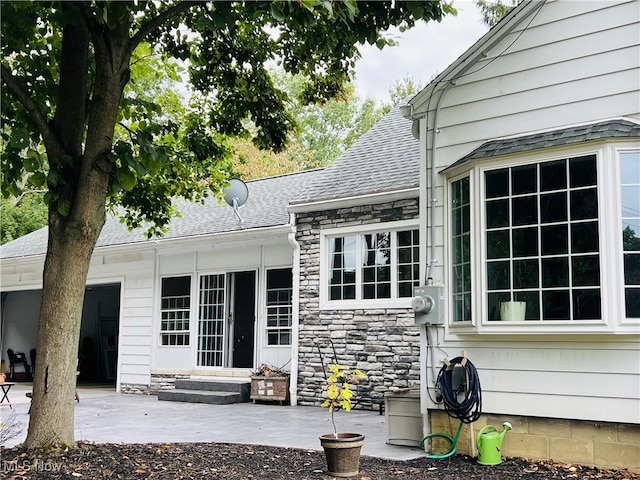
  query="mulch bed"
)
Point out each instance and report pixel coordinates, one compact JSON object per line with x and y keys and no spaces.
{"x":234,"y":461}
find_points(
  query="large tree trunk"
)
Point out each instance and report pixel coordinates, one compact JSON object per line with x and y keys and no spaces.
{"x":66,"y":267}
{"x":74,"y":231}
{"x":77,"y":214}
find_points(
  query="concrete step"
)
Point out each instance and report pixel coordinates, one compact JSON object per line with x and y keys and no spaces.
{"x":234,"y":385}
{"x":213,"y":390}
{"x":201,"y":396}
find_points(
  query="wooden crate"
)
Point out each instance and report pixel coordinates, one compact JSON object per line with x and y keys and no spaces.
{"x":270,"y":388}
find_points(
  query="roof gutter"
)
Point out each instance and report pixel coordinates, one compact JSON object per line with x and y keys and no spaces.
{"x":230,"y":237}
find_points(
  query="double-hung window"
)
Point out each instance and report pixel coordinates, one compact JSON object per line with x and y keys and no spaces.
{"x":175,"y":308}
{"x":377,"y":265}
{"x":279,"y":306}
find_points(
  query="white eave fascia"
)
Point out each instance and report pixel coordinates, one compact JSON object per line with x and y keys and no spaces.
{"x":221,"y":238}
{"x":355,"y":201}
{"x":470,"y":57}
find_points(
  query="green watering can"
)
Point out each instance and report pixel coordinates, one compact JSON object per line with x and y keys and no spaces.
{"x":489,"y":441}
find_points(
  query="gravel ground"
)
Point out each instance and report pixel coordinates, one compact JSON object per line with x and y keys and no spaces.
{"x":237,"y":461}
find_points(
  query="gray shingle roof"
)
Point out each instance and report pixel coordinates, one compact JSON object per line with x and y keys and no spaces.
{"x":265,"y":207}
{"x":384,"y":159}
{"x":555,"y":138}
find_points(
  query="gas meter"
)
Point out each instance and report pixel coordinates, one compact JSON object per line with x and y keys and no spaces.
{"x":427,"y":304}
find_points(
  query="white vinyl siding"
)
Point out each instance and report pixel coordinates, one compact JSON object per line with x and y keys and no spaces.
{"x":579,"y":68}
{"x":559,"y":379}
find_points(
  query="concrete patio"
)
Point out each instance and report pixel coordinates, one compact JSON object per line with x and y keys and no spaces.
{"x":103,"y":416}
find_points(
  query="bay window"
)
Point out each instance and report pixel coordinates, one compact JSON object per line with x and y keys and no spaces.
{"x":538,"y":238}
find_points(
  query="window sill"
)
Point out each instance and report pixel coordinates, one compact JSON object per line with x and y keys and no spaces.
{"x":541,"y":328}
{"x":366,"y":304}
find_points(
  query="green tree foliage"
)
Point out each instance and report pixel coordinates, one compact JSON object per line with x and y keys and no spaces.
{"x":19,"y":217}
{"x":71,"y":128}
{"x":402,"y":89}
{"x":493,"y":11}
{"x":323,"y":132}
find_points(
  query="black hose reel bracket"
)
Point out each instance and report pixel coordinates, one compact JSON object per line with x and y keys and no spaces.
{"x":459,"y":386}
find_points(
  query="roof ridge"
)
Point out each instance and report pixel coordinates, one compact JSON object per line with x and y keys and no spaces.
{"x":288,"y":174}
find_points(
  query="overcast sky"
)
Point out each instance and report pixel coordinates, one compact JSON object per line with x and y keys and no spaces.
{"x":423,"y":52}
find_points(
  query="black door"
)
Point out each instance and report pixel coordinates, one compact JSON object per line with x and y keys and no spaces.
{"x":243,"y":318}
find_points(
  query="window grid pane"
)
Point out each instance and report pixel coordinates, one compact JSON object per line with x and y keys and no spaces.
{"x":175,"y":304}
{"x":376,"y":265}
{"x":389,"y":265}
{"x":408,"y":268}
{"x":279,"y":306}
{"x":461,"y":267}
{"x":211,"y":321}
{"x":547,"y":253}
{"x":342,"y":261}
{"x":630,"y":202}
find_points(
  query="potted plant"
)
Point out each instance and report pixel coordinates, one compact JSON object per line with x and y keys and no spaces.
{"x":342,"y":450}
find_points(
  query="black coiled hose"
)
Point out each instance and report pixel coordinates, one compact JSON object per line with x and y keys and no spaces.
{"x":465,"y":401}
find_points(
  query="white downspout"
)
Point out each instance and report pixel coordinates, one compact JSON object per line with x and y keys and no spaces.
{"x":431,"y":188}
{"x":427,"y":209}
{"x":295,"y":311}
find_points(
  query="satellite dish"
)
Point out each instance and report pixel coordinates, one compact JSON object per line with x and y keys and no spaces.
{"x":236,"y":195}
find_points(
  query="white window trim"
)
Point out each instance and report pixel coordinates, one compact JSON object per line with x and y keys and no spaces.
{"x":196,"y":312}
{"x":265,"y":307}
{"x":610,"y":238}
{"x":618,"y":267}
{"x":192,"y":311}
{"x":327,"y":234}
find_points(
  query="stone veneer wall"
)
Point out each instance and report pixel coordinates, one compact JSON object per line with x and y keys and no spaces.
{"x":602,"y":444}
{"x":164,"y":381}
{"x":159,"y":381}
{"x":383,"y":343}
{"x":134,"y":389}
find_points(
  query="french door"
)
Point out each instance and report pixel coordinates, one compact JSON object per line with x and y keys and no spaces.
{"x":226,"y":320}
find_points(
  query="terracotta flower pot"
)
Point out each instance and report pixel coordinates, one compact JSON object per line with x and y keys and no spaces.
{"x":342,"y":453}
